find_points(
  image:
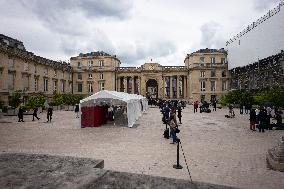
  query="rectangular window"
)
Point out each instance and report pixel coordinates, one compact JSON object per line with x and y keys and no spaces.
{"x":224,"y":85}
{"x":54,"y":73}
{"x":101,"y":62}
{"x":45,"y":84}
{"x":54,"y":85}
{"x":90,"y":63}
{"x":202,"y":85}
{"x":70,"y":76}
{"x":223,"y":60}
{"x":80,"y":76}
{"x":213,"y":73}
{"x":70,"y":87}
{"x":80,"y":87}
{"x":213,"y":60}
{"x":101,"y":76}
{"x":11,"y":63}
{"x":90,"y":86}
{"x":90,"y":76}
{"x":11,"y":78}
{"x":213,"y":85}
{"x":36,"y":84}
{"x":224,"y":73}
{"x":102,"y":86}
{"x":79,"y":65}
{"x":62,"y":86}
{"x":202,"y":73}
{"x":201,"y":60}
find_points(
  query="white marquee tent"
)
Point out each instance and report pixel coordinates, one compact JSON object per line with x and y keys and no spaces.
{"x":136,"y":104}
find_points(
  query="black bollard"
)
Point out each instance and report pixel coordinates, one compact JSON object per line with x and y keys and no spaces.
{"x":177,"y":166}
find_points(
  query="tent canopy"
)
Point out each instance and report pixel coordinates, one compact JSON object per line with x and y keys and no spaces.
{"x":136,"y":104}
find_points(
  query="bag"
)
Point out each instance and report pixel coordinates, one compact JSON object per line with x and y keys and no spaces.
{"x":177,"y":130}
{"x":166,"y":134}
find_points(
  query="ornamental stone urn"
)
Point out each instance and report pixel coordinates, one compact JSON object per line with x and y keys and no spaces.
{"x":275,"y":157}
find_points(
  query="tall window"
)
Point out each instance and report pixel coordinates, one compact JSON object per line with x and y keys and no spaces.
{"x":202,"y":85}
{"x":80,"y":87}
{"x":35,"y":69}
{"x":102,"y":86}
{"x":54,"y":85}
{"x":62,"y":86}
{"x":213,"y":60}
{"x":70,"y":76}
{"x":202,"y":60}
{"x":79,"y":76}
{"x":90,"y":86}
{"x":224,"y":85}
{"x":11,"y":78}
{"x":223,"y":73}
{"x":90,"y":76}
{"x":54,"y":73}
{"x":101,"y":76}
{"x":79,"y":65}
{"x":101,"y":63}
{"x":45,"y":84}
{"x":213,"y":73}
{"x":11,"y":63}
{"x":36,"y":84}
{"x":213,"y":85}
{"x":62,"y":75}
{"x":90,"y":63}
{"x":202,"y":73}
{"x":70,"y":87}
{"x":223,"y":60}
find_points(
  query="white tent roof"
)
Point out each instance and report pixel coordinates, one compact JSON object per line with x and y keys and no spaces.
{"x":135,"y":103}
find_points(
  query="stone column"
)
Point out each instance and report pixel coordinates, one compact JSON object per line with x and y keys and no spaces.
{"x":178,"y":77}
{"x":171,"y":87}
{"x":133,"y":84}
{"x":125,"y":84}
{"x":138,"y":85}
{"x":164,"y":88}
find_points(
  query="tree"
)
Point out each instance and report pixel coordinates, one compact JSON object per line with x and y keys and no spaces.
{"x":36,"y":101}
{"x":15,"y":99}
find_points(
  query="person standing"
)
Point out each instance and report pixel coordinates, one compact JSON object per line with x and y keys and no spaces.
{"x":49,"y":114}
{"x":241,"y":108}
{"x":21,"y":114}
{"x":179,"y":114}
{"x":252,"y":119}
{"x":195,"y":106}
{"x":173,"y":127}
{"x":214,"y":104}
{"x":262,"y":119}
{"x":77,"y":110}
{"x":35,"y":114}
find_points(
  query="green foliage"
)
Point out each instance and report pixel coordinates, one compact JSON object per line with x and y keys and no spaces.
{"x":5,"y":109}
{"x":36,"y":101}
{"x":260,"y":97}
{"x":15,"y":99}
{"x":68,"y":99}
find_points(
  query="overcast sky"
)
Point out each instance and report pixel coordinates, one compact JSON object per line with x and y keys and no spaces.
{"x":135,"y":30}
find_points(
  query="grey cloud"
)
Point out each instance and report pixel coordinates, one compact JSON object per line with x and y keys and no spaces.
{"x":133,"y":54}
{"x":210,"y":35}
{"x":264,"y":5}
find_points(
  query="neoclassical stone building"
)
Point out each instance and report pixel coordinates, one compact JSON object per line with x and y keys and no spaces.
{"x":204,"y":77}
{"x":27,"y":73}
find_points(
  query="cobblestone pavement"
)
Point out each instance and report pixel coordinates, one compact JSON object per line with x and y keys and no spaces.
{"x":218,"y":150}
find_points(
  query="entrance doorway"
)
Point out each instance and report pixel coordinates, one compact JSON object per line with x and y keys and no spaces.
{"x":152,"y":88}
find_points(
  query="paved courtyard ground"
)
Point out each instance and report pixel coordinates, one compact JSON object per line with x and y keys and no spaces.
{"x":218,"y":150}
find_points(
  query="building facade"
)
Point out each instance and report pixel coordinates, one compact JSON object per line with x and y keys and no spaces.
{"x":27,"y":73}
{"x":204,"y":77}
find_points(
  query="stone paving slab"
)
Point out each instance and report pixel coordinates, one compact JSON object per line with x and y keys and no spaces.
{"x":219,"y":150}
{"x":45,"y":171}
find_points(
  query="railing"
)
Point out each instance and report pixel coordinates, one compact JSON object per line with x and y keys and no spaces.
{"x":255,"y":24}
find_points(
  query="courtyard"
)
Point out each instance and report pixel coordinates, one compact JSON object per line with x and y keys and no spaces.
{"x":219,"y":150}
